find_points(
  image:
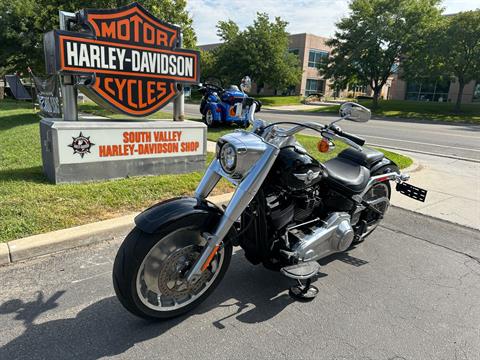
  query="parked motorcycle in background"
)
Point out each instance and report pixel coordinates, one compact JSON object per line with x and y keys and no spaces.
{"x":287,"y":212}
{"x":224,"y":106}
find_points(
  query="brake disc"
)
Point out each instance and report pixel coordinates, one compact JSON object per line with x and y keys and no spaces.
{"x":171,"y":279}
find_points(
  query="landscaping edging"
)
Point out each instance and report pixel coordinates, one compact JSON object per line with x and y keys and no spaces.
{"x":65,"y":239}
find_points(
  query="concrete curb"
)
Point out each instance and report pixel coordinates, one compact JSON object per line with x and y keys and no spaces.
{"x":65,"y":239}
{"x":4,"y":254}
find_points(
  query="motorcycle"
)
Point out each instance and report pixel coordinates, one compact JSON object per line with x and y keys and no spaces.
{"x":288,"y":211}
{"x":223,"y":106}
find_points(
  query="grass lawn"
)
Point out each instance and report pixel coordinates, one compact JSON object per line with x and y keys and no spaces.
{"x":266,"y":100}
{"x":310,"y":144}
{"x":30,"y":205}
{"x":418,"y":110}
{"x":279,"y":100}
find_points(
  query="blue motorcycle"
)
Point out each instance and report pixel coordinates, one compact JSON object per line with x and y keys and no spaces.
{"x":223,"y":106}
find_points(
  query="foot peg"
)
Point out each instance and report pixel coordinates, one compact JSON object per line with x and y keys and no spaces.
{"x":301,"y":271}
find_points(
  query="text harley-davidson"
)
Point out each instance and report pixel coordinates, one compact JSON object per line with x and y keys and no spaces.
{"x":287,"y":212}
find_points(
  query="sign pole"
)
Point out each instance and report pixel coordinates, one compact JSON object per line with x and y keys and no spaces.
{"x":69,"y":92}
{"x":179,"y":102}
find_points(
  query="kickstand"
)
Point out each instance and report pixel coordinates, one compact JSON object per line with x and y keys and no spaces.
{"x":303,"y":292}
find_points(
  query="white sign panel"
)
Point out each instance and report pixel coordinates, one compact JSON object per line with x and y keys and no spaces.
{"x":94,"y":145}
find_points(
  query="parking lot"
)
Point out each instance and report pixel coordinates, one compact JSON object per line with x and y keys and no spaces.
{"x":410,"y":292}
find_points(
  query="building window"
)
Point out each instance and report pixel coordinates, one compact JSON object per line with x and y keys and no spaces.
{"x":314,"y":87}
{"x":315,"y":58}
{"x":476,"y":93}
{"x":294,"y":51}
{"x":428,"y":90}
{"x":356,"y":89}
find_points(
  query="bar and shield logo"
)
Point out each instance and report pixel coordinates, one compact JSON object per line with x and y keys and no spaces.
{"x":126,"y":59}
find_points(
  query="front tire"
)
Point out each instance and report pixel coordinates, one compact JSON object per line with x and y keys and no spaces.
{"x":148,"y":270}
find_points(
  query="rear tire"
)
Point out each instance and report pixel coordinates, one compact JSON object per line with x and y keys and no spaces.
{"x":132,"y":275}
{"x":208,"y":118}
{"x":376,"y":191}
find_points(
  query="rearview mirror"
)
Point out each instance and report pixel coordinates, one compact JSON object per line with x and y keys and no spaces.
{"x":246,"y":84}
{"x":354,"y":112}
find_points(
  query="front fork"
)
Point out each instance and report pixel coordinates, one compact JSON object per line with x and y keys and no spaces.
{"x":244,"y":193}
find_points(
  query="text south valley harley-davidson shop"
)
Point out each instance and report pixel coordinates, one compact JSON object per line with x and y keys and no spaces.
{"x":144,"y":143}
{"x":92,"y":145}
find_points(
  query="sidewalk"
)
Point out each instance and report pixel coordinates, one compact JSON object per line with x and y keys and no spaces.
{"x":453,"y":189}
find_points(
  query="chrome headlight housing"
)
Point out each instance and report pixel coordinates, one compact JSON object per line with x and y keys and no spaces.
{"x":228,"y":158}
{"x":238,"y":152}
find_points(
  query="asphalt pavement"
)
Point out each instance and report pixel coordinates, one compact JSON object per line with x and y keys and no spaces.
{"x":410,"y":291}
{"x":442,"y":139}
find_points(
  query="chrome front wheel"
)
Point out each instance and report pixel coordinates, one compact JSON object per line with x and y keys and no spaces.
{"x":150,"y":281}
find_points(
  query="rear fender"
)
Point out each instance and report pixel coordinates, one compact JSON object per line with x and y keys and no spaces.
{"x":217,"y":116}
{"x":181,"y":211}
{"x":384,"y":166}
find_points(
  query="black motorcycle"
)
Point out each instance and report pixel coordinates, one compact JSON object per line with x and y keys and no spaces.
{"x":287,"y":212}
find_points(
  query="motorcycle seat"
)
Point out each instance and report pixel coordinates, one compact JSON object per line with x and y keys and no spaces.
{"x":344,"y":174}
{"x":367,"y":157}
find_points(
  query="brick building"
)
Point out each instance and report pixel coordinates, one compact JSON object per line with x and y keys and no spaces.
{"x":310,"y":49}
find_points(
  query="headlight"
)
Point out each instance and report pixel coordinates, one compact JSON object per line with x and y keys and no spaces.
{"x":228,"y":158}
{"x":238,"y":152}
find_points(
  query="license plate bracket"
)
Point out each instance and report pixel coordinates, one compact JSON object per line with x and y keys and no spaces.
{"x":412,"y":191}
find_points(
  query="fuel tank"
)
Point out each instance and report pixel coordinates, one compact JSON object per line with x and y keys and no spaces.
{"x":294,"y":169}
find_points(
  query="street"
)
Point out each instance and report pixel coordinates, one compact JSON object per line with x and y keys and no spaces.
{"x":443,"y":139}
{"x":409,"y":292}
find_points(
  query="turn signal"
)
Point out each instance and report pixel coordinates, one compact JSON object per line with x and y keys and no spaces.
{"x":323,"y":145}
{"x":232,"y":111}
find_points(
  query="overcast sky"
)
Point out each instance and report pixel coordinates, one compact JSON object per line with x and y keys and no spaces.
{"x":311,"y":16}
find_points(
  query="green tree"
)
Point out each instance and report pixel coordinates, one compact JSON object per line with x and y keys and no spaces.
{"x":370,"y":41}
{"x":23,"y":23}
{"x":260,"y":51}
{"x":452,"y":52}
{"x":460,"y":53}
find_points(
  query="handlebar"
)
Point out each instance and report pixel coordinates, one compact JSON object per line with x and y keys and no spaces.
{"x":254,"y":106}
{"x":357,"y":140}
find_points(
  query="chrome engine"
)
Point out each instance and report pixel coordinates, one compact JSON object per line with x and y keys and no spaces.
{"x":335,"y":234}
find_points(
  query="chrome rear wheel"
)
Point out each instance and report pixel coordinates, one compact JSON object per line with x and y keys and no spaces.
{"x":209,"y":118}
{"x":376,"y":192}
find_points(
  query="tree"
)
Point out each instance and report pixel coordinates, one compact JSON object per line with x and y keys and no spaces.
{"x":461,"y":50}
{"x":260,"y":51}
{"x":452,"y":52}
{"x":23,"y":23}
{"x":371,"y":40}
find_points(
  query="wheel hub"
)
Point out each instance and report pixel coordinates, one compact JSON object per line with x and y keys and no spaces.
{"x":171,"y":278}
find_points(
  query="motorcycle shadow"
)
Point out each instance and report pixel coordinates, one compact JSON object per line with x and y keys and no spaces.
{"x":104,"y":328}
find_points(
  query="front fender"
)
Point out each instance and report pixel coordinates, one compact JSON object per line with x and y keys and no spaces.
{"x":181,"y":211}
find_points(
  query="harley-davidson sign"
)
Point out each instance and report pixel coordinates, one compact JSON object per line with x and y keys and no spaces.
{"x":126,"y":59}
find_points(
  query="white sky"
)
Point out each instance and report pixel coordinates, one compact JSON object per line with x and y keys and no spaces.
{"x":312,"y":16}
